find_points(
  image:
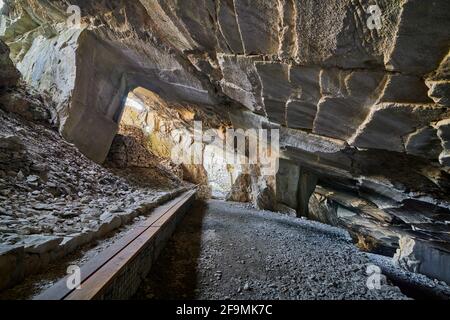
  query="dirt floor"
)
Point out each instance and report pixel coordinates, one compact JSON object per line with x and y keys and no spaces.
{"x":231,"y":251}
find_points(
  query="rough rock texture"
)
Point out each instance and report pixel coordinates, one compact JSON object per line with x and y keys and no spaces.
{"x":418,"y":256}
{"x":9,"y":75}
{"x":364,"y":111}
{"x":54,"y":200}
{"x":129,"y":153}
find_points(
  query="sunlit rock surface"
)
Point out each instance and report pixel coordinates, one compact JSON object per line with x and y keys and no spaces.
{"x":54,"y":200}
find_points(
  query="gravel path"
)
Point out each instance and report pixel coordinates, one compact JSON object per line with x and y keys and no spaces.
{"x":231,"y":251}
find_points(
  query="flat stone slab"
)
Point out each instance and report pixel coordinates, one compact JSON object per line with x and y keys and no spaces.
{"x":41,"y":244}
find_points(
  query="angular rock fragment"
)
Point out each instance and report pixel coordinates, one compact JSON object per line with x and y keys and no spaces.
{"x":424,"y":143}
{"x":228,"y":26}
{"x":9,"y":75}
{"x":387,"y":125}
{"x":401,"y":88}
{"x":429,"y":258}
{"x":414,"y":51}
{"x":276,"y":89}
{"x":444,"y":134}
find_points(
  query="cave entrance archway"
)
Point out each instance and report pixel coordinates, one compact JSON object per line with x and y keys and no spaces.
{"x":153,"y":123}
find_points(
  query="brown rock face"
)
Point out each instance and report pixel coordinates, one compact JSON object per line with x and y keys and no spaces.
{"x":360,"y":95}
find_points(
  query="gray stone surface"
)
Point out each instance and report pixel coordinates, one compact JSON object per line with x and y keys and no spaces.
{"x":11,"y":265}
{"x":431,"y":259}
{"x":387,"y":124}
{"x":9,"y":75}
{"x":287,"y":183}
{"x":40,"y":244}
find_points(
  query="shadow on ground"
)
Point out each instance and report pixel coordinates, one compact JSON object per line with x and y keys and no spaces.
{"x":174,"y":275}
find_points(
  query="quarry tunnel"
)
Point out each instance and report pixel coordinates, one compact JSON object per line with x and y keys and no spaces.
{"x":314,"y":139}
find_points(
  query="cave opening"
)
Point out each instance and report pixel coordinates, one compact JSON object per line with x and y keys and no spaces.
{"x":150,"y":130}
